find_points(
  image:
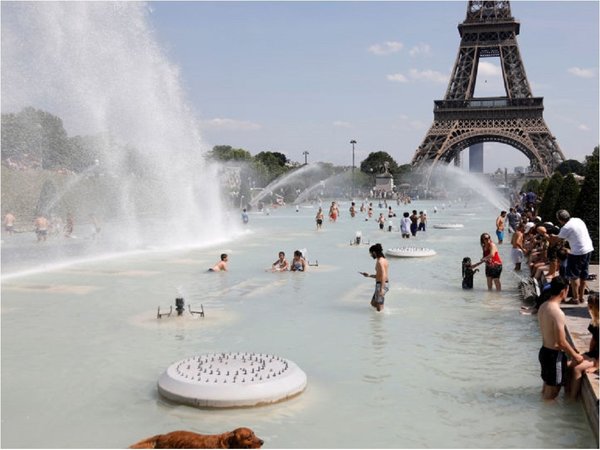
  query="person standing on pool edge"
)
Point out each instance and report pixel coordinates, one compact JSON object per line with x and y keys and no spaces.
{"x":381,"y":276}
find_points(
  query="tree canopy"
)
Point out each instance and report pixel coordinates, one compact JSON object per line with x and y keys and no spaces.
{"x":228,"y":153}
{"x":547,"y":208}
{"x":586,"y":207}
{"x":35,"y":136}
{"x":568,"y":193}
{"x":571,"y":166}
{"x":374,"y":163}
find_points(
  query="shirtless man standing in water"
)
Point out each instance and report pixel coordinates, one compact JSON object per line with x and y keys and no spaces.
{"x":381,"y":276}
{"x":517,"y":252}
{"x":41,"y":227}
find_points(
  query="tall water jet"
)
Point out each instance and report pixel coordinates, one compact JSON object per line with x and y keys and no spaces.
{"x":295,"y":178}
{"x":97,"y":66}
{"x":468,"y":186}
{"x":333,"y":186}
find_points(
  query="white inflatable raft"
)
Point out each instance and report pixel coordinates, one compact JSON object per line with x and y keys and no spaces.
{"x":410,"y":252}
{"x":448,"y":225}
{"x":225,"y":380}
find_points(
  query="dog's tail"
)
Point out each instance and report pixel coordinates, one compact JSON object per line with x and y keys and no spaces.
{"x":146,"y":443}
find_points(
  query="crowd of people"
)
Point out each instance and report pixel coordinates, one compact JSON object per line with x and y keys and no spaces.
{"x":52,"y":225}
{"x":557,"y":257}
{"x":409,"y":223}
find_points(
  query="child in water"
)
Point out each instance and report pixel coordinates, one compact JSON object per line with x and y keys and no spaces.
{"x":468,"y":272}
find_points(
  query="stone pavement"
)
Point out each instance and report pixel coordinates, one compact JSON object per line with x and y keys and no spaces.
{"x":577,"y":321}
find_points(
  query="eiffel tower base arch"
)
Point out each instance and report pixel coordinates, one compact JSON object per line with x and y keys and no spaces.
{"x":447,"y":138}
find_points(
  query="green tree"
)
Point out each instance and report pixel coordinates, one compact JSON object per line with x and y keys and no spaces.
{"x":586,"y":207}
{"x":374,"y":163}
{"x":55,"y":143}
{"x":35,"y":135}
{"x":567,"y":195}
{"x":593,"y":157}
{"x":275,"y":163}
{"x":532,"y":185}
{"x":547,"y":207}
{"x":228,"y":153}
{"x":542,"y":186}
{"x":272,"y":158}
{"x":259,"y":173}
{"x":570,"y":166}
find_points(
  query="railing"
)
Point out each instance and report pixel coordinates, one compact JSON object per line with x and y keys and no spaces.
{"x":489,"y":103}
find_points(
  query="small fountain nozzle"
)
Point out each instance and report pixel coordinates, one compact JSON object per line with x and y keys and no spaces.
{"x":179,"y":304}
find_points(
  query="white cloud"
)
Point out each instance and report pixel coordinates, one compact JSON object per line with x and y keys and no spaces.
{"x":582,"y":73}
{"x":386,"y":48}
{"x":341,"y":124}
{"x":583,"y":127}
{"x":398,"y":77}
{"x":429,"y":75}
{"x":229,"y":124}
{"x":420,"y":49}
{"x":488,"y":69}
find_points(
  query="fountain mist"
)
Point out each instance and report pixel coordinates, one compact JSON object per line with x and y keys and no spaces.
{"x":295,"y":177}
{"x":475,"y":187}
{"x":98,"y":67}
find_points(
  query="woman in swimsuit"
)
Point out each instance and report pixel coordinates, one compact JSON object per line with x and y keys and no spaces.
{"x":493,"y":263}
{"x":298,"y":263}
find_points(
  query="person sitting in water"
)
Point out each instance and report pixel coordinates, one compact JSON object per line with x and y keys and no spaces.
{"x":298,"y":263}
{"x":221,"y":265}
{"x":281,"y":264}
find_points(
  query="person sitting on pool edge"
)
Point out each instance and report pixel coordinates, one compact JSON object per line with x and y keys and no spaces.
{"x":221,"y":265}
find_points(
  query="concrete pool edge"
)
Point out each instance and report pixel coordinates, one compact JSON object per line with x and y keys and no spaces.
{"x":577,"y":333}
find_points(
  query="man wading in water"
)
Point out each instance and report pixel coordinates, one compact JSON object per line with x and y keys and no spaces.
{"x":381,"y":276}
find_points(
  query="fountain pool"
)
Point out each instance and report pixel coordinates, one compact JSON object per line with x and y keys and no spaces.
{"x":82,"y":349}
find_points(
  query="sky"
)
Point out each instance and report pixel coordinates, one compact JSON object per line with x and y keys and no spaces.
{"x":312,"y":76}
{"x":289,"y":77}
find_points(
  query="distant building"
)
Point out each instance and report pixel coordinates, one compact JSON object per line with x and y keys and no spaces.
{"x":521,"y":169}
{"x":476,"y":158}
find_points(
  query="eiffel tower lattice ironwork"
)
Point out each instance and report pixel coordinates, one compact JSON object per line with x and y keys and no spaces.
{"x":460,"y":120}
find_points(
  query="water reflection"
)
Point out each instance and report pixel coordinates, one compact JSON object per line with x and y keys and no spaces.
{"x":378,"y":365}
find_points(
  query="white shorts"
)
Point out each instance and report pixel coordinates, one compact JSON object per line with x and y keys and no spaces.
{"x":517,"y":255}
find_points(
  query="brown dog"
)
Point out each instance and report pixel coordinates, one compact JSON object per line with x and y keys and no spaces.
{"x":238,"y":438}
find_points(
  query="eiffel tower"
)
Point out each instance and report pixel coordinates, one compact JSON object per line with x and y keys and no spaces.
{"x":461,"y":120}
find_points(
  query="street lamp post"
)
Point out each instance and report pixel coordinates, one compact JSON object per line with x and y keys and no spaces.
{"x":353,"y":141}
{"x":305,"y":153}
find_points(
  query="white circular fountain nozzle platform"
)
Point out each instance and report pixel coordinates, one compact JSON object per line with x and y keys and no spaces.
{"x":448,"y":225}
{"x":410,"y":252}
{"x":225,"y":380}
